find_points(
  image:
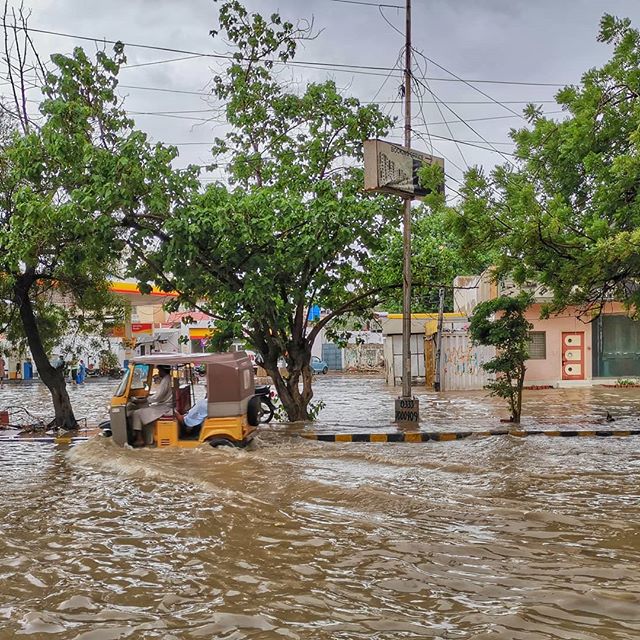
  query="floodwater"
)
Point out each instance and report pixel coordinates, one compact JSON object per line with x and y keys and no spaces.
{"x":484,"y":538}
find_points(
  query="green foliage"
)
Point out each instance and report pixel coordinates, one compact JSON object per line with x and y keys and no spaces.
{"x":438,"y":255}
{"x":71,"y":192}
{"x":108,"y":361}
{"x":501,"y":323}
{"x":295,"y":229}
{"x":568,"y":215}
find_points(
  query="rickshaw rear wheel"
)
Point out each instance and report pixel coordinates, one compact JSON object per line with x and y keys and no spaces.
{"x":254,"y":411}
{"x":221,"y":442}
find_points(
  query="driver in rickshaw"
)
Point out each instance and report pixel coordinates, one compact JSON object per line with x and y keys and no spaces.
{"x":156,"y":405}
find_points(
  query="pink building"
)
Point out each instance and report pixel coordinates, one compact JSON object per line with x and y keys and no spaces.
{"x":567,"y":349}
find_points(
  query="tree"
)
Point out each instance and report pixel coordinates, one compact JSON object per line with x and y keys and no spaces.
{"x":438,"y":255}
{"x":501,"y":323}
{"x":294,"y":228}
{"x":567,"y":215}
{"x":73,"y":177}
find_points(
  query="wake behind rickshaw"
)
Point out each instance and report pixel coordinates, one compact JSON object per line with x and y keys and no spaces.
{"x":232,"y":409}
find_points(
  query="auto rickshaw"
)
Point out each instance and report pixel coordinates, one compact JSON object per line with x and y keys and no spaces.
{"x":233,"y":407}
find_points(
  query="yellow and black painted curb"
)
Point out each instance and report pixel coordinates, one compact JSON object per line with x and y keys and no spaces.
{"x":445,"y":436}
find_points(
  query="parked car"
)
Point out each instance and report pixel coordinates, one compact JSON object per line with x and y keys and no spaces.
{"x":318,"y":365}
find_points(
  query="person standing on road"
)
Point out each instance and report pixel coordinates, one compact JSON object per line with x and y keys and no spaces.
{"x":74,"y":370}
{"x":82,"y":372}
{"x":3,"y":364}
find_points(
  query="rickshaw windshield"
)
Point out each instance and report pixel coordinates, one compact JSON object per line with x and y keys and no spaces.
{"x":122,"y":387}
{"x":139,"y":380}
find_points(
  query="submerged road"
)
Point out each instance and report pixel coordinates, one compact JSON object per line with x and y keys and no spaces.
{"x":508,"y":538}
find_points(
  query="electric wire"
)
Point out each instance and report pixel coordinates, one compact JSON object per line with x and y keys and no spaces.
{"x":369,"y":4}
{"x":424,"y":118}
{"x":463,"y":121}
{"x":335,"y":66}
{"x":389,"y":22}
{"x":464,"y":160}
{"x":154,"y":62}
{"x":492,"y":118}
{"x":480,"y":91}
{"x":398,"y":59}
{"x":440,"y":154}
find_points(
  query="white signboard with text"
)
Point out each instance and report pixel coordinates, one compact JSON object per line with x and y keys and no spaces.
{"x":391,"y":168}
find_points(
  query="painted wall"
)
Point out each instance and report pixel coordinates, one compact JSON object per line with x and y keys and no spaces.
{"x":461,"y":363}
{"x":549,"y":370}
{"x":363,"y":357}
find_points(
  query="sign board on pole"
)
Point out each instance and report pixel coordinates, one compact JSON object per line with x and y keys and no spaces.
{"x":391,"y":168}
{"x":136,"y":327}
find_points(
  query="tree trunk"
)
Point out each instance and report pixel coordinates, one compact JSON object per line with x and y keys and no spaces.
{"x":517,"y":411}
{"x":294,"y":401}
{"x":53,"y":378}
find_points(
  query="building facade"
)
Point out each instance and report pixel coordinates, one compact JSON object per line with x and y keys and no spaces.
{"x":568,"y":349}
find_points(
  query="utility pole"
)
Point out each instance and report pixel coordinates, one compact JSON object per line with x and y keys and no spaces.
{"x":407,"y":407}
{"x":437,"y":383}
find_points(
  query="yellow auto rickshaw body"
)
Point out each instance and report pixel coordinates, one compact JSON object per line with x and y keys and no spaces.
{"x":230,"y":393}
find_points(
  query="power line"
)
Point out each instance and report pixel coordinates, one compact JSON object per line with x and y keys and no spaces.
{"x":183,"y":91}
{"x":440,"y":154}
{"x":486,"y":95}
{"x":334,"y":66}
{"x":167,"y":115}
{"x":469,"y":141}
{"x":397,"y":62}
{"x":475,"y":144}
{"x":471,"y":102}
{"x":169,"y":111}
{"x":464,"y":122}
{"x":149,"y":64}
{"x":466,"y":101}
{"x":548,"y":113}
{"x":393,"y":26}
{"x":464,"y":160}
{"x":369,"y":4}
{"x":217,"y":56}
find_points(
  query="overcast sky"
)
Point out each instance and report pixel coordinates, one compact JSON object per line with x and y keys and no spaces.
{"x":544,"y":41}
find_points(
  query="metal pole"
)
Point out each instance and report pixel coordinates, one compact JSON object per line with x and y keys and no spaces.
{"x":128,"y":333}
{"x":406,"y":272}
{"x":437,"y":386}
{"x":407,"y":408}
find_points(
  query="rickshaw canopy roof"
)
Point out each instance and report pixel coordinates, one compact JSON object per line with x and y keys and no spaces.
{"x":176,"y":359}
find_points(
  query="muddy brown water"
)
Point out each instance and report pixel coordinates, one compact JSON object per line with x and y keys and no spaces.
{"x":496,"y":538}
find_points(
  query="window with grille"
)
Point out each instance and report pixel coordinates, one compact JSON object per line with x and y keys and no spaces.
{"x":538,"y":345}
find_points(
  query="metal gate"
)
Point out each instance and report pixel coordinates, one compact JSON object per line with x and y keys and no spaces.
{"x":332,"y":355}
{"x":460,"y":362}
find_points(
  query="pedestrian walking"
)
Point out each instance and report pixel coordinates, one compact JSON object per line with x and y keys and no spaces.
{"x":82,"y":372}
{"x":74,"y":370}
